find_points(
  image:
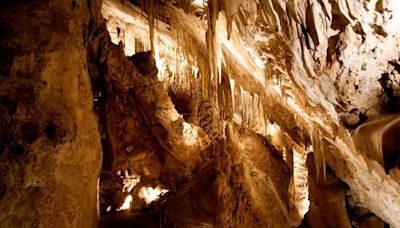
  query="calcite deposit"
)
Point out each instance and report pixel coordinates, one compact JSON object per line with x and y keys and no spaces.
{"x":196,"y":113}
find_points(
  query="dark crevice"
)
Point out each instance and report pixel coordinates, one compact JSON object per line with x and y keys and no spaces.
{"x":391,"y":148}
{"x":310,"y":20}
{"x":392,"y":105}
{"x":51,"y":131}
{"x":30,"y":132}
{"x":305,"y":34}
{"x":144,"y":63}
{"x":357,"y":28}
{"x":332,"y":52}
{"x":74,"y":4}
{"x":396,"y":65}
{"x":182,"y":103}
{"x":379,"y":6}
{"x":379,"y":30}
{"x":17,"y":149}
{"x":339,"y":21}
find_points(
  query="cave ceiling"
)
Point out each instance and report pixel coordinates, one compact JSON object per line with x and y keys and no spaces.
{"x":318,"y":69}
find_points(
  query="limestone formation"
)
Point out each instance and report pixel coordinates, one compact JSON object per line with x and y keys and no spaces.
{"x":192,"y":113}
{"x":50,"y":141}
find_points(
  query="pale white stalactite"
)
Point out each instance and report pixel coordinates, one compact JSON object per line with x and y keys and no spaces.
{"x":214,"y":41}
{"x":247,"y":112}
{"x":255,"y":113}
{"x":260,"y":119}
{"x":129,"y":41}
{"x":243,"y":107}
{"x":232,"y":87}
{"x":320,"y":149}
{"x":300,"y":182}
{"x":112,"y":30}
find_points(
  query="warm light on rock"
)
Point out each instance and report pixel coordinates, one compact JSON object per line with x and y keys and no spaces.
{"x":149,"y":194}
{"x":190,"y":134}
{"x":129,"y":181}
{"x":127,"y":204}
{"x":268,"y":113}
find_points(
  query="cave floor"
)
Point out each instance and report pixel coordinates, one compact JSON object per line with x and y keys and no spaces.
{"x":144,"y":220}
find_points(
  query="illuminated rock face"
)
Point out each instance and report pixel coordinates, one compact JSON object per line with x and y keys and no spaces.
{"x":219,"y":103}
{"x":286,"y":63}
{"x":252,"y":183}
{"x":188,"y":162}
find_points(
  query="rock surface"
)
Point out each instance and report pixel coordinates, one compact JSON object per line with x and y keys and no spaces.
{"x":220,"y":103}
{"x":328,"y":203}
{"x":50,"y":142}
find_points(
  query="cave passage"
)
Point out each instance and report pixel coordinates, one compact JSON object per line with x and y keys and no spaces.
{"x":192,"y":113}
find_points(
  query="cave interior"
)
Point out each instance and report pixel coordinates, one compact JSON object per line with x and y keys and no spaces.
{"x":200,"y":113}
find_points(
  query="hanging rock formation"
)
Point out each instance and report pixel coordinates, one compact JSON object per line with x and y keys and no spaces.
{"x":200,"y":113}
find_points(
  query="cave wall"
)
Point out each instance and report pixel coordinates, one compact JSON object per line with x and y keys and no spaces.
{"x":50,"y":152}
{"x":252,"y":182}
{"x":50,"y":140}
{"x":327,"y":200}
{"x":216,"y":181}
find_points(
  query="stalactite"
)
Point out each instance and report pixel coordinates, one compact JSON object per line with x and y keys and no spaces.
{"x":300,"y":181}
{"x":256,"y":113}
{"x":263,"y":122}
{"x":197,"y":64}
{"x":251,"y":111}
{"x":232,"y":86}
{"x":214,"y":44}
{"x":129,"y":40}
{"x":180,"y":67}
{"x":245,"y":120}
{"x":320,"y":148}
{"x":192,"y":66}
{"x":112,"y":28}
{"x":151,"y":9}
{"x":230,"y":9}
